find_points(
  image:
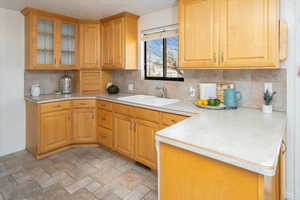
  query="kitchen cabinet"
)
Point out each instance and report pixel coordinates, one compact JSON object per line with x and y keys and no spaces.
{"x":105,"y":123}
{"x":145,"y":151}
{"x":84,"y":125}
{"x":55,"y":129}
{"x":193,"y":176}
{"x":51,"y":41}
{"x":91,"y":81}
{"x":90,"y":46}
{"x":123,"y":133}
{"x":198,"y":34}
{"x":107,"y":45}
{"x":119,"y":42}
{"x":229,"y":34}
{"x":128,"y":130}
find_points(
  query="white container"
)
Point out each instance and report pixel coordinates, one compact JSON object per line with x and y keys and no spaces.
{"x":268,"y":109}
{"x":208,"y":90}
{"x":35,"y":90}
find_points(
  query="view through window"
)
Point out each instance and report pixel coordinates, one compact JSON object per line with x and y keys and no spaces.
{"x":161,"y":59}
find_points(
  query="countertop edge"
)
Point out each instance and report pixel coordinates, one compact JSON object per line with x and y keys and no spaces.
{"x":162,"y":109}
{"x":222,"y":158}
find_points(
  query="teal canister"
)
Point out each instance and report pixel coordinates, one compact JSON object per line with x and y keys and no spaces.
{"x":232,"y":98}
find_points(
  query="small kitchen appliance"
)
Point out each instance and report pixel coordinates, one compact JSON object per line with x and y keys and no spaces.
{"x":66,"y":84}
{"x":232,"y":98}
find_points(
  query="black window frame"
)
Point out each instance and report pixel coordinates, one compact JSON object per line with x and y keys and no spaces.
{"x":164,"y":78}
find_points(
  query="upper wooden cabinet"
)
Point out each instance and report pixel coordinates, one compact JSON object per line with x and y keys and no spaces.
{"x":198,"y":34}
{"x":51,"y":40}
{"x":119,"y":42}
{"x":229,"y":34}
{"x":90,"y":46}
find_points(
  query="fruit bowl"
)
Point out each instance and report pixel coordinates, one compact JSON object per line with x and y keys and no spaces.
{"x":219,"y":107}
{"x":211,"y":104}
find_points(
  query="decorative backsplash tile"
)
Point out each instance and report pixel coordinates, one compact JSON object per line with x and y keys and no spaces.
{"x":249,"y":82}
{"x":48,"y":80}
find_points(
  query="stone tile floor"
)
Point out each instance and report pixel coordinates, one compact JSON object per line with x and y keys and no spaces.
{"x":79,"y":173}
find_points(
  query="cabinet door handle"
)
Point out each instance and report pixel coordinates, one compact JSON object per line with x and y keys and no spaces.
{"x":215,"y":57}
{"x":55,"y":61}
{"x":103,"y":118}
{"x":93,"y":116}
{"x":173,"y":120}
{"x":222,"y":57}
{"x":284,"y":147}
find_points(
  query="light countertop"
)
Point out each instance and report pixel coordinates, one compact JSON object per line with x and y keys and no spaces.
{"x":180,"y":108}
{"x":246,"y":138}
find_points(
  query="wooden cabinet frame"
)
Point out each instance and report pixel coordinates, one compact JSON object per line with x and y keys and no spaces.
{"x":31,"y":17}
{"x":226,"y":35}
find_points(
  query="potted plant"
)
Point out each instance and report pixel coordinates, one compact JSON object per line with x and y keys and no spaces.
{"x":268,"y":97}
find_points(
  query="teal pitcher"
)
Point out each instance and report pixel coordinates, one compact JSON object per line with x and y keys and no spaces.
{"x":232,"y":98}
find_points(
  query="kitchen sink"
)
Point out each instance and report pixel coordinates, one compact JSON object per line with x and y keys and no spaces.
{"x":148,"y":100}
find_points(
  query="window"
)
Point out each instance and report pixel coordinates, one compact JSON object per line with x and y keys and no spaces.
{"x":161,"y":59}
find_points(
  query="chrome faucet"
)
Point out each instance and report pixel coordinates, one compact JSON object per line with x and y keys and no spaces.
{"x":163,"y":90}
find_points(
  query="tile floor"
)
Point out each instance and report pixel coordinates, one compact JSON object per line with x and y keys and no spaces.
{"x":79,"y":173}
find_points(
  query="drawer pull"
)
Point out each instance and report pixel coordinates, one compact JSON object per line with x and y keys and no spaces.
{"x":103,"y":136}
{"x":58,"y":106}
{"x":103,"y":118}
{"x":173,"y":120}
{"x":103,"y":105}
{"x":83,"y":104}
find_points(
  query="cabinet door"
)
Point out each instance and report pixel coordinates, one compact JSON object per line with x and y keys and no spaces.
{"x":107,"y":45}
{"x":55,"y":130}
{"x":68,"y":45}
{"x":123,"y":133}
{"x":84,"y":126}
{"x":44,"y":55}
{"x":119,"y":41}
{"x":198,"y":34}
{"x":249,"y":33}
{"x":90,"y":45}
{"x":145,"y":142}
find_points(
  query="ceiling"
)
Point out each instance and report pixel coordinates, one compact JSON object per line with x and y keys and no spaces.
{"x":90,"y":9}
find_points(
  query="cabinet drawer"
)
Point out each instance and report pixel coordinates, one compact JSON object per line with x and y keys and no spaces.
{"x":146,"y":114}
{"x":170,"y":119}
{"x":104,"y":119}
{"x":50,"y":107}
{"x":84,"y":103}
{"x":123,"y":109}
{"x":104,"y":105}
{"x":105,"y":137}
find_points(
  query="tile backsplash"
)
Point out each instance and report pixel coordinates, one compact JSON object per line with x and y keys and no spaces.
{"x":48,"y":80}
{"x":249,"y":82}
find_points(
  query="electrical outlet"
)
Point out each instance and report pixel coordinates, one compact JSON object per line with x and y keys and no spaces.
{"x":269,"y":87}
{"x":192,"y":91}
{"x":130,"y":86}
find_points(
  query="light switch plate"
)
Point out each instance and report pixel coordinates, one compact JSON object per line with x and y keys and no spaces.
{"x":269,"y":87}
{"x":130,"y":87}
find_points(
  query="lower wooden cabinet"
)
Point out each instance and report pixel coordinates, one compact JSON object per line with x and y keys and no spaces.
{"x":105,"y":137}
{"x":145,"y":151}
{"x":55,"y":130}
{"x":123,"y":133}
{"x":84,"y":125}
{"x":125,"y":129}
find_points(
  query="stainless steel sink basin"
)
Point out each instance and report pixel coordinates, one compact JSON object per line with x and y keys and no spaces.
{"x":148,"y":100}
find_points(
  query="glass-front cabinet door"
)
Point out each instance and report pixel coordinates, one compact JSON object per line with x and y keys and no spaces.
{"x":51,"y":41}
{"x":45,"y":43}
{"x":68,"y":45}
